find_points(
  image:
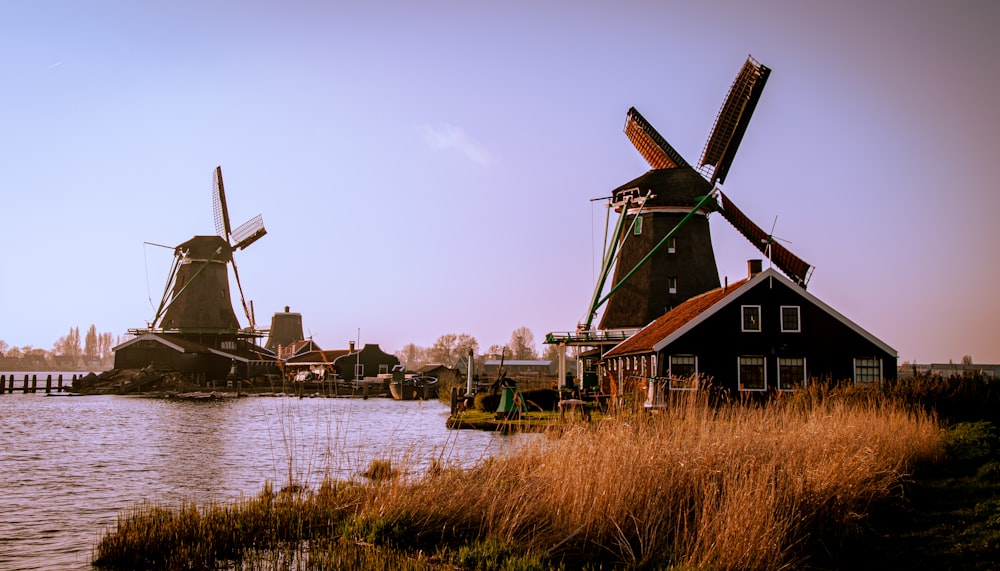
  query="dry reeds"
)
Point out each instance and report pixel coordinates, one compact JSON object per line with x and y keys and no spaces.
{"x":695,"y":486}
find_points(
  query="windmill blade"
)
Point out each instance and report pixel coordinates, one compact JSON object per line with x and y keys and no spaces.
{"x":219,"y":208}
{"x":243,"y":299}
{"x":653,"y":147}
{"x":794,"y":267}
{"x":733,"y":118}
{"x":249,"y":232}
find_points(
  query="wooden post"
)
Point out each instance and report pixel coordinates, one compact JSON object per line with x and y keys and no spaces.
{"x":25,"y":387}
{"x":10,"y":384}
{"x":34,"y":384}
{"x":48,"y":385}
{"x":3,"y":383}
{"x":60,"y":387}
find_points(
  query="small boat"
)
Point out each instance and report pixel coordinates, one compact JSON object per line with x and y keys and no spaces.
{"x":413,"y":387}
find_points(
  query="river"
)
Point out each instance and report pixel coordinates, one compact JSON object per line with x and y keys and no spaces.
{"x":70,"y":464}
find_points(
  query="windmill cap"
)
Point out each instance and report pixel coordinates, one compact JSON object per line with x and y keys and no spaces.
{"x":681,"y":186}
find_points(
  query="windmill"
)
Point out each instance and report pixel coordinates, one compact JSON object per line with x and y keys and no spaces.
{"x":197,"y":296}
{"x":662,"y":248}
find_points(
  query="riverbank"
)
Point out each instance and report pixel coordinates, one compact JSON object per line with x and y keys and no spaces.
{"x":786,"y":483}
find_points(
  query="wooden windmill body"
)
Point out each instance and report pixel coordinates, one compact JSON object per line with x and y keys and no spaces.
{"x":662,"y":249}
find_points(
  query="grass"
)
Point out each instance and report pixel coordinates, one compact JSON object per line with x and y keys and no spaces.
{"x":696,"y":487}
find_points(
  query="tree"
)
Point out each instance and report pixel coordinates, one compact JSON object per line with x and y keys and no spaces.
{"x":3,"y":347}
{"x":463,"y":344}
{"x":495,"y":351}
{"x":68,"y":345}
{"x":449,"y":348}
{"x":967,"y":359}
{"x":412,"y":356}
{"x":522,"y":344}
{"x":90,"y":349}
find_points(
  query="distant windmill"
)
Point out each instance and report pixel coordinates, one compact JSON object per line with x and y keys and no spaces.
{"x":197,"y":296}
{"x":662,"y":249}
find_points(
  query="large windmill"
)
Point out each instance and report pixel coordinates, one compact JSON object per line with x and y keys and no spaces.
{"x":662,"y":249}
{"x":197,"y":296}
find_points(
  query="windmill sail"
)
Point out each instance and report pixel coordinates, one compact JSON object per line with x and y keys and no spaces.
{"x":219,"y":208}
{"x":733,"y":118}
{"x":653,"y":147}
{"x":794,"y":267}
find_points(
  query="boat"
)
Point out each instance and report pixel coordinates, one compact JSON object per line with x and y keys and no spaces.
{"x":413,"y":387}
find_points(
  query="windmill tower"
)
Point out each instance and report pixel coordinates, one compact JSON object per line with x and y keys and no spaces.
{"x":197,"y":297}
{"x":662,"y":248}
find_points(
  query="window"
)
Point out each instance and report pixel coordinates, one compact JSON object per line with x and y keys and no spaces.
{"x":671,"y":285}
{"x":752,"y":376}
{"x":791,"y":374}
{"x":383,"y":368}
{"x":751,"y":318}
{"x":683,"y":372}
{"x":637,"y":227}
{"x":867,"y":370}
{"x":790,"y":319}
{"x":359,"y":370}
{"x":672,"y":246}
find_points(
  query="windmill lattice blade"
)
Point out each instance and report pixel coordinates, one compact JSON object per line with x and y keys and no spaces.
{"x":733,"y":118}
{"x":219,"y":208}
{"x":249,"y":232}
{"x":794,"y":267}
{"x":243,"y":299}
{"x":653,"y":147}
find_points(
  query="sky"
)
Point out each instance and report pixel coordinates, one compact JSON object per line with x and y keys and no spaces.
{"x":425,"y":168}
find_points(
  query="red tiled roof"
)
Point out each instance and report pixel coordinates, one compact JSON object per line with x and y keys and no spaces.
{"x":644,"y":339}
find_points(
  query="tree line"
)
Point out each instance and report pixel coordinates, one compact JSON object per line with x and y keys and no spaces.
{"x":452,"y":348}
{"x":70,"y":349}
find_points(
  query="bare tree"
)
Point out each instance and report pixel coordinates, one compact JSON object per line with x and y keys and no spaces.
{"x":522,"y":344}
{"x":90,"y":349}
{"x":412,"y":356}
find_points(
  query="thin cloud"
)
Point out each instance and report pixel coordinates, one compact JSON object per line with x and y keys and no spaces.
{"x":447,"y":137}
{"x":57,"y":64}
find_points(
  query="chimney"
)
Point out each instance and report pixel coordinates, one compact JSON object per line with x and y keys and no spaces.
{"x":352,"y":346}
{"x":754,"y":267}
{"x":286,"y":309}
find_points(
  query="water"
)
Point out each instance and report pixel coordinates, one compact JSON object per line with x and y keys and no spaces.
{"x":70,"y":465}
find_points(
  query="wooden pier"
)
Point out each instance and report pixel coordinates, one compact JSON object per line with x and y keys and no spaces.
{"x":29,"y":383}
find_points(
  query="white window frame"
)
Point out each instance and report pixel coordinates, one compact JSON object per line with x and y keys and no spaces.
{"x":743,"y":318}
{"x":805,"y":378}
{"x":739,"y":372}
{"x":359,"y":371}
{"x":798,"y":318}
{"x":683,"y":385}
{"x":672,"y":245}
{"x":383,"y":368}
{"x":671,"y":285}
{"x":868,"y":363}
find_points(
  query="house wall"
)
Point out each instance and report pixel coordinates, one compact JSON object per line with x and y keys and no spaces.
{"x":373,"y":359}
{"x":828,"y":345}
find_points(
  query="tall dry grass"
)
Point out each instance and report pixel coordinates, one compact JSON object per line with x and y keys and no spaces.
{"x":700,"y":487}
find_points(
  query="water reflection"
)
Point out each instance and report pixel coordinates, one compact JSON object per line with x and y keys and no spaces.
{"x":70,"y":465}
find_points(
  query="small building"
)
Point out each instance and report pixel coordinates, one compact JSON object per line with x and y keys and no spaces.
{"x":519,"y":369}
{"x":370,"y":361}
{"x":759,"y":335}
{"x":205,"y":358}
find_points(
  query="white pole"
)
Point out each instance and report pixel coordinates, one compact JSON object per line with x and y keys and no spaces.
{"x":562,"y":365}
{"x":468,"y":382}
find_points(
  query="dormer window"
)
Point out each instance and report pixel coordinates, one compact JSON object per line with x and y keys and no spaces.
{"x":751,"y":318}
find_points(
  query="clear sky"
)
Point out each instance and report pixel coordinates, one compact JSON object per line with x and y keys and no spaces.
{"x":428,"y":167}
